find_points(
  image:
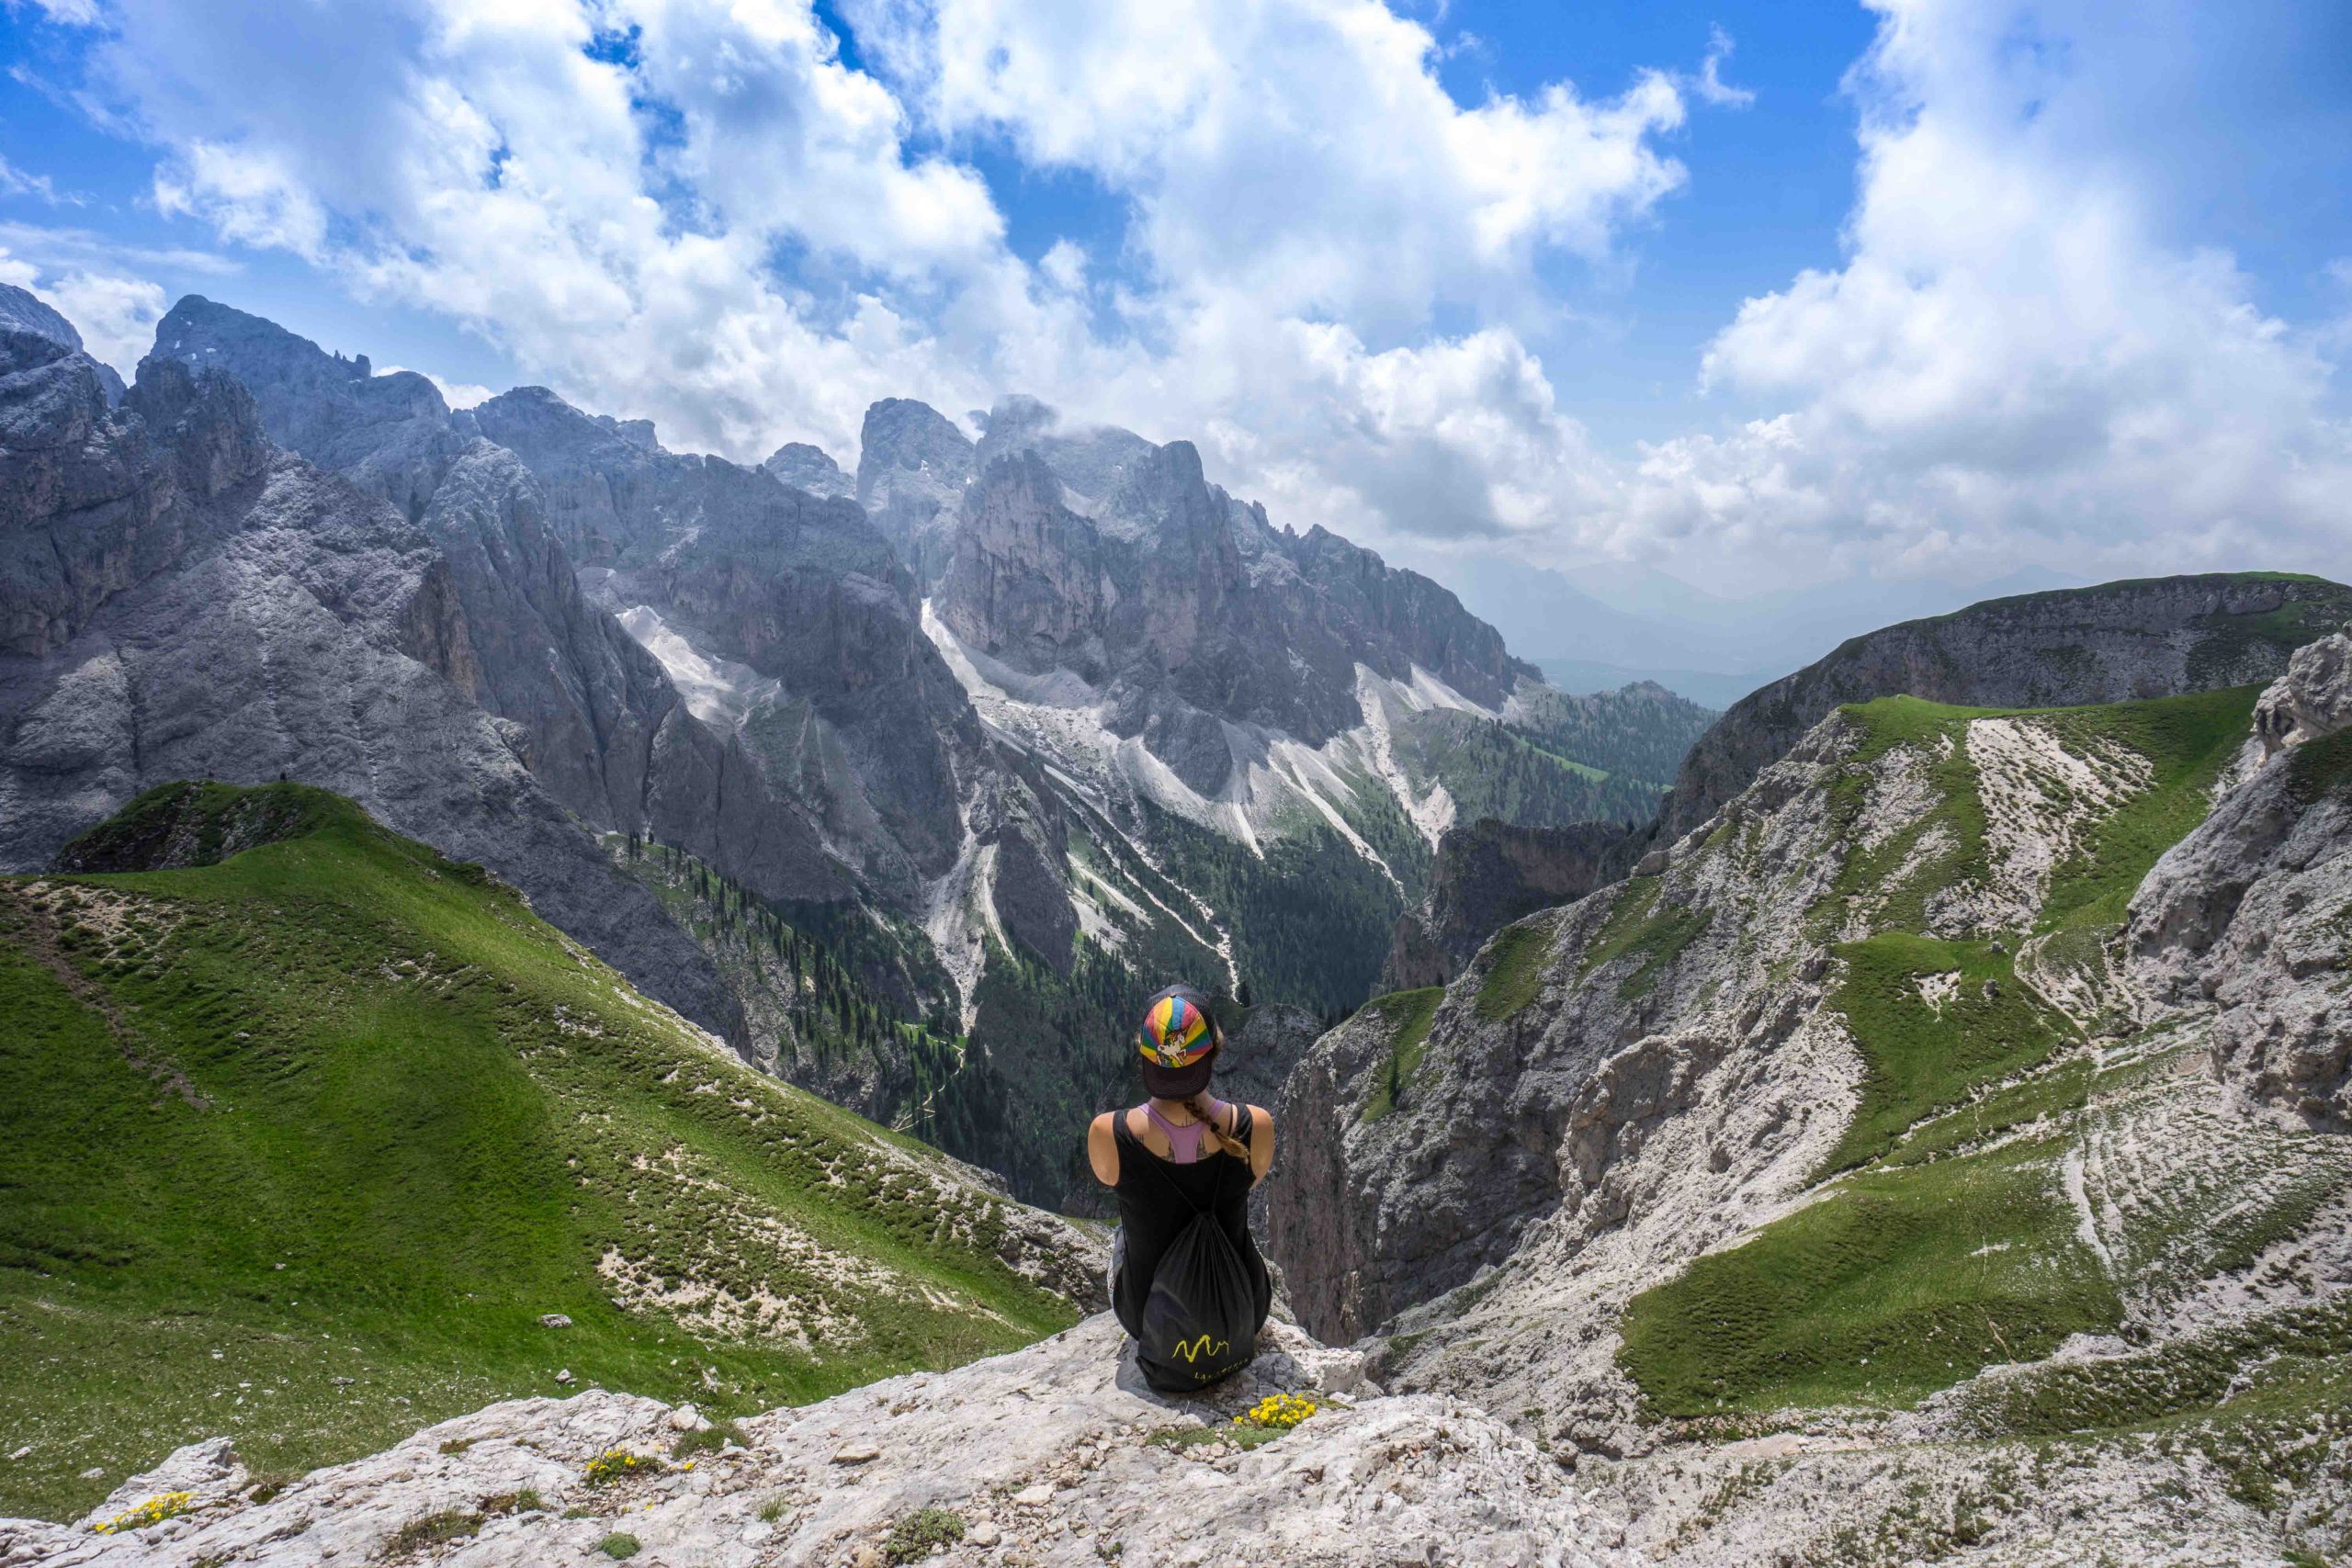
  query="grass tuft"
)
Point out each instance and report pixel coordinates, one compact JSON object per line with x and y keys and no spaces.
{"x":913,"y":1537}
{"x":434,"y":1529}
{"x":1409,"y":1014}
{"x":1517,"y":976}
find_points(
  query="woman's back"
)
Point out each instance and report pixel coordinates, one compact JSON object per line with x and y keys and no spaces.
{"x":1159,"y":1195}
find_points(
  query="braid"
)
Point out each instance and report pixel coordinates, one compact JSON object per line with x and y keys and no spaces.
{"x":1198,"y":1105}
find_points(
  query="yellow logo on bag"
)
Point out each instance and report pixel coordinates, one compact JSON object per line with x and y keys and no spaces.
{"x":1194,"y":1349}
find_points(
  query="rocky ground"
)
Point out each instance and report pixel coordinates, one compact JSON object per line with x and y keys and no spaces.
{"x":1055,"y":1454}
{"x":1058,"y":1455}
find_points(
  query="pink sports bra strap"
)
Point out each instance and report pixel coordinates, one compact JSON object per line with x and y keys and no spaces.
{"x":1184,"y":1140}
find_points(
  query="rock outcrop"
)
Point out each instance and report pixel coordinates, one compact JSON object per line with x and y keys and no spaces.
{"x":1053,"y":1454}
{"x":2250,"y":917}
{"x":2118,"y":640}
{"x":1058,"y":1455}
{"x":799,"y":466}
{"x":912,"y":464}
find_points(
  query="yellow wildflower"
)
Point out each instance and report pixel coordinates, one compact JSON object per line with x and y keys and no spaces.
{"x":1279,"y":1410}
{"x":153,"y":1511}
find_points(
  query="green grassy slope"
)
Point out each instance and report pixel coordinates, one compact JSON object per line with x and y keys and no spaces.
{"x":1949,"y":1241}
{"x":300,"y":1146}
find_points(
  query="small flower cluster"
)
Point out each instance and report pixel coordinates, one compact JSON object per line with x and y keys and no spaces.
{"x":615,"y":1464}
{"x":1279,"y":1410}
{"x":153,"y":1511}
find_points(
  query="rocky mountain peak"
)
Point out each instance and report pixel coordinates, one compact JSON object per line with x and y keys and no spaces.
{"x":1088,"y":459}
{"x":637,"y":432}
{"x":23,"y":311}
{"x":912,"y":464}
{"x":812,"y":469}
{"x":390,"y":434}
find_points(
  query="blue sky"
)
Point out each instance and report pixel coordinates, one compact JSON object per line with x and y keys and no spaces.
{"x":1763,"y":296}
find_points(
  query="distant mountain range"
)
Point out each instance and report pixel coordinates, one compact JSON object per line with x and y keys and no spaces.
{"x":993,"y":737}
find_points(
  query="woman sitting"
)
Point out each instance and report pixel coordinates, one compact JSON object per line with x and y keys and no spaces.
{"x":1187,"y":1278}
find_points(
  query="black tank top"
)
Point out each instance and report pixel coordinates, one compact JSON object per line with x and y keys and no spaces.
{"x":1158,"y":1198}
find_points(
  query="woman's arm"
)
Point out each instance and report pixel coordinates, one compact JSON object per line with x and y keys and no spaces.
{"x":1103,"y":1149}
{"x":1262,"y":1143}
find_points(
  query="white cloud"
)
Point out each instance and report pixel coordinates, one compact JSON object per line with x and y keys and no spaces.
{"x":66,"y":249}
{"x":2014,"y":361}
{"x":15,"y":181}
{"x":1709,"y":85}
{"x":115,"y":315}
{"x":1302,"y":154}
{"x":694,"y":210}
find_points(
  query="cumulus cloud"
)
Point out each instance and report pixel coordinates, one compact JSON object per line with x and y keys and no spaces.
{"x":1303,"y":154}
{"x":696,"y":210}
{"x":2014,"y":361}
{"x":115,"y":315}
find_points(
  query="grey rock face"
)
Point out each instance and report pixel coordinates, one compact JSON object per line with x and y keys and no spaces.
{"x":605,"y":732}
{"x":92,"y":504}
{"x":2151,"y":638}
{"x":836,"y":696}
{"x":1180,"y":603}
{"x":912,"y":467}
{"x":802,"y":467}
{"x":1489,"y":874}
{"x":1532,"y":1120}
{"x":221,"y":609}
{"x":388,"y":435}
{"x":22,"y":311}
{"x":2246,"y":915}
{"x":1258,"y":1053}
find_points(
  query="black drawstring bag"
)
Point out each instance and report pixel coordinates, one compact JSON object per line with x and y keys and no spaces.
{"x":1200,"y":1323}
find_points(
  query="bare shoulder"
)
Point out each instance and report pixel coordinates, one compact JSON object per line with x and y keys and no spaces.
{"x":1103,"y":1149}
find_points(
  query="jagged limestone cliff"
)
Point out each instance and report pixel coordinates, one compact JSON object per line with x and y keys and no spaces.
{"x":182,"y":600}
